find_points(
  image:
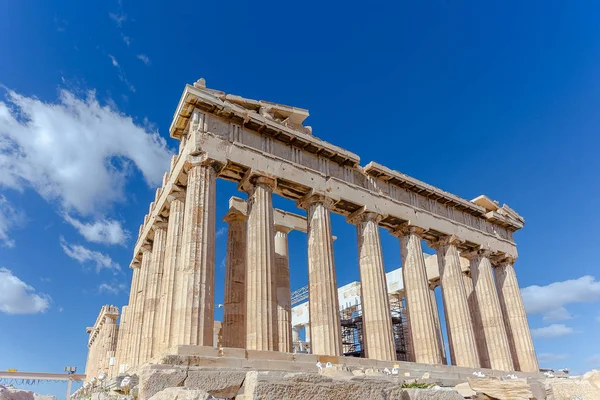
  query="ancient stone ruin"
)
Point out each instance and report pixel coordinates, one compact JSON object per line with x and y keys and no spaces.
{"x":267,"y":150}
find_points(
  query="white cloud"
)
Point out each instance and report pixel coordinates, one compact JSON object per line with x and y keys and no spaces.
{"x":144,"y":58}
{"x":75,"y":151}
{"x":17,"y":297}
{"x":221,"y":231}
{"x":104,"y":231}
{"x":126,"y":39}
{"x":85,"y":255}
{"x":9,"y":218}
{"x":551,"y":299}
{"x":552,"y":331}
{"x":111,"y":288}
{"x":560,"y":314}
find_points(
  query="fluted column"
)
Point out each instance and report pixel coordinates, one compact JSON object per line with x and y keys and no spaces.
{"x":120,"y":348}
{"x":325,"y":328}
{"x":515,"y":318}
{"x":284,"y":295}
{"x":418,"y":300}
{"x":459,"y":324}
{"x":377,"y":320}
{"x":484,"y":359}
{"x":150,"y":335}
{"x":498,"y":350}
{"x":138,"y":317}
{"x":234,"y":307}
{"x":438,"y":325}
{"x":110,"y":336}
{"x":126,"y":345}
{"x":196,"y":324}
{"x":261,"y":292}
{"x":170,"y":314}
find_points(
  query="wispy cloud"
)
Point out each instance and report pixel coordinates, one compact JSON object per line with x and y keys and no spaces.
{"x":121,"y":73}
{"x":17,"y":297}
{"x":144,"y":58}
{"x":104,"y":231}
{"x":551,"y":299}
{"x":10,"y":217}
{"x":84,"y":256}
{"x":546,"y":358}
{"x":111,"y":288}
{"x":119,"y":17}
{"x":221,"y":231}
{"x":552,"y":331}
{"x":126,"y":39}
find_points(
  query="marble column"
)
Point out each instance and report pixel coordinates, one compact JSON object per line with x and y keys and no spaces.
{"x":497,"y":346}
{"x":138,"y":317}
{"x":261,"y":291}
{"x":438,"y":325}
{"x":484,"y":359}
{"x":169,"y":317}
{"x":120,"y":347}
{"x":150,"y":335}
{"x":126,"y":345}
{"x":234,"y":307}
{"x":459,"y":324}
{"x":284,"y":295}
{"x":196,"y":302}
{"x":515,"y":318}
{"x":377,"y":319}
{"x":420,"y":312}
{"x":325,"y":328}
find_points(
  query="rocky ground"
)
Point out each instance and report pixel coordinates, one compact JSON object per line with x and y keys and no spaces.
{"x":191,"y":383}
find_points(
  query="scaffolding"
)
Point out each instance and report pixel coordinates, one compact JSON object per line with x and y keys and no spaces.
{"x":352,"y":329}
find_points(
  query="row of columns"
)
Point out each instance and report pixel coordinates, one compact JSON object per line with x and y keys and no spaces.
{"x":475,"y":310}
{"x":173,"y":286}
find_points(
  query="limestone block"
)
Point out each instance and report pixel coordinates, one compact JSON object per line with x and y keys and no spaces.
{"x":513,"y":389}
{"x":428,"y":394}
{"x":153,"y":379}
{"x":281,"y":385}
{"x":178,"y":393}
{"x":593,"y":377}
{"x":567,"y":389}
{"x":464,"y":389}
{"x":218,"y":383}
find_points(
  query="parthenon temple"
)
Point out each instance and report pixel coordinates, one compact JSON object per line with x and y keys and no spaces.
{"x":265,"y":148}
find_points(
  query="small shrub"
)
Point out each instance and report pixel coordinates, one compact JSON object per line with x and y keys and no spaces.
{"x":416,"y":385}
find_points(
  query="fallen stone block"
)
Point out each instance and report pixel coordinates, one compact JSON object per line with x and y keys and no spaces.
{"x":179,"y":393}
{"x":155,"y":378}
{"x":593,"y":377}
{"x":220,"y":384}
{"x":512,"y":389}
{"x":464,"y":389}
{"x":429,"y":394}
{"x":568,"y":389}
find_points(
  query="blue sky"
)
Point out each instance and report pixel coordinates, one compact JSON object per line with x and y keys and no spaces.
{"x":472,"y":97}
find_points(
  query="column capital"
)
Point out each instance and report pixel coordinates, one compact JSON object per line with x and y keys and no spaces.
{"x":146,"y":247}
{"x":406,"y":229}
{"x":177,"y":193}
{"x":160,"y":223}
{"x":198,"y":159}
{"x":234,"y":215}
{"x":135,"y":263}
{"x":362,"y":215}
{"x":499,"y":259}
{"x":282,"y":231}
{"x":479,"y":252}
{"x":444,"y":240}
{"x":250,"y":181}
{"x":313,"y":198}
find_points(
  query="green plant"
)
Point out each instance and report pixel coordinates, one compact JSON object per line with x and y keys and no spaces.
{"x":416,"y":385}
